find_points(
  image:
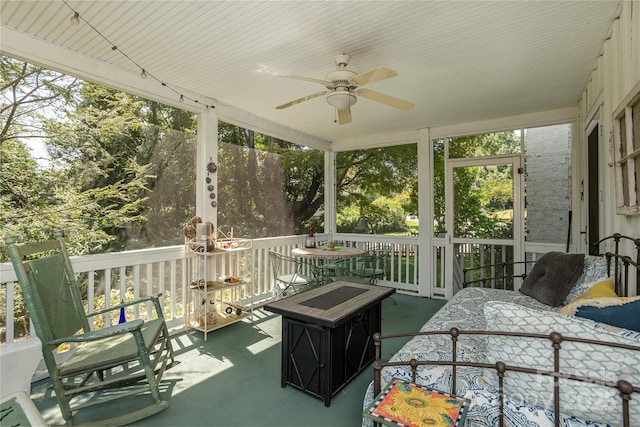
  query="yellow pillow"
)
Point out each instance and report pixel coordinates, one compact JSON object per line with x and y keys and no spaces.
{"x":602,"y":289}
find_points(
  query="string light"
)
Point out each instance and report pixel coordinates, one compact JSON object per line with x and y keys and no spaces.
{"x":75,"y":20}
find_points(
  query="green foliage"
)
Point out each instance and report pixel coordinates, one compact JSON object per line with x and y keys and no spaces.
{"x":20,"y":314}
{"x":478,"y":191}
{"x":386,"y":215}
{"x":347,"y":218}
{"x":365,"y":177}
{"x":29,"y":94}
{"x":266,"y":186}
{"x":35,"y":200}
{"x":108,"y":152}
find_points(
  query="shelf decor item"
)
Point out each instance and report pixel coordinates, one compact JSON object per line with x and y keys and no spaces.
{"x":205,"y":234}
{"x":405,"y":404}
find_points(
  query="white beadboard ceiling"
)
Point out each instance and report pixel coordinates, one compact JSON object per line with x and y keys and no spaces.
{"x":458,"y":61}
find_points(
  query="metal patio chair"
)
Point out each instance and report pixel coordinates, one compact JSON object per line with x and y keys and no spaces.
{"x":112,"y":363}
{"x":292,"y":275}
{"x":366,"y":269}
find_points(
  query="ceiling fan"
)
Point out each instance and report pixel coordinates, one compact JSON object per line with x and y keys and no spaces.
{"x":344,"y":85}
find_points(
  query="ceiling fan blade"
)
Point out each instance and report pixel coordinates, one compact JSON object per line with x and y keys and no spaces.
{"x":299,"y":100}
{"x":344,"y":116}
{"x":324,"y":83}
{"x":373,"y":76}
{"x":389,"y":100}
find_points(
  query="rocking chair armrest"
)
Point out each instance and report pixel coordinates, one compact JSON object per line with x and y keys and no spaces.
{"x":153,"y":298}
{"x":99,"y":334}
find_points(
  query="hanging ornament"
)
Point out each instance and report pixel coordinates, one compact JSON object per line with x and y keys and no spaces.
{"x":211,"y":166}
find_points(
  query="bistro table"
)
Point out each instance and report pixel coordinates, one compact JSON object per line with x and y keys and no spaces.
{"x":323,"y":257}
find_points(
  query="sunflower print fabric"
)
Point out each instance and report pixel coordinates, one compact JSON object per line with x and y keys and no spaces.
{"x":405,"y":404}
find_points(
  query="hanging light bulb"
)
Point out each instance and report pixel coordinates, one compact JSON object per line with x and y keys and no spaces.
{"x":144,"y":74}
{"x":75,"y":19}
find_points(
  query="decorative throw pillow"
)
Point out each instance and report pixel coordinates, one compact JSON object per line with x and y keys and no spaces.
{"x":595,"y":269}
{"x":552,"y":277}
{"x":622,"y":312}
{"x":600,"y":289}
{"x":586,"y":401}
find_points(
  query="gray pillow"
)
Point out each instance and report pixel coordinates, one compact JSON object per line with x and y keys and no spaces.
{"x":552,"y":277}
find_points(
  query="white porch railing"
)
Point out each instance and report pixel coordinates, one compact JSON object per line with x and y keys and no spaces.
{"x":164,"y":270}
{"x":470,"y":254}
{"x":141,"y":271}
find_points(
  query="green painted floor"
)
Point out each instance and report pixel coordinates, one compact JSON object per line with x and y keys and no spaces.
{"x":233,"y":378}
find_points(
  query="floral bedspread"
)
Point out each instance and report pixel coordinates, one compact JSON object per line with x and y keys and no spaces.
{"x":465,"y":311}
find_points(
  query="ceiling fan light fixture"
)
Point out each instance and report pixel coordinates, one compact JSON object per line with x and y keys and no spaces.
{"x":342,"y":99}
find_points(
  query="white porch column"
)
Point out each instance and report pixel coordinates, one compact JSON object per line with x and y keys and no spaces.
{"x":207,"y":152}
{"x":330,"y":191}
{"x":425,"y":214}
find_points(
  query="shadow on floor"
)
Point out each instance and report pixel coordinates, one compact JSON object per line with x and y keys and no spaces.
{"x":233,"y":378}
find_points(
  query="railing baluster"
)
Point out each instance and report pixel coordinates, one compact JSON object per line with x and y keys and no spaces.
{"x":10,"y":331}
{"x":149,"y":287}
{"x":107,"y":292}
{"x":136,"y":291}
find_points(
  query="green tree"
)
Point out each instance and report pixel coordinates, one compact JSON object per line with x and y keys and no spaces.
{"x":365,"y":176}
{"x":268,"y":187}
{"x":272,"y":187}
{"x":475,"y":189}
{"x":107,"y":152}
{"x":115,"y":141}
{"x":35,"y":199}
{"x":30,"y":93}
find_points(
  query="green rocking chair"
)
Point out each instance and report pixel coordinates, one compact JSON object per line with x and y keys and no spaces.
{"x":108,"y":364}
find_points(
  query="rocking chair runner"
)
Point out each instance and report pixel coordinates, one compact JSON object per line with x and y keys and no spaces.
{"x":120,"y":356}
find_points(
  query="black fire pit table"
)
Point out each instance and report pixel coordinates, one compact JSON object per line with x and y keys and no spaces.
{"x":327,"y":335}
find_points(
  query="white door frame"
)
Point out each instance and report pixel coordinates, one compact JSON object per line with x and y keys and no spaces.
{"x":518,"y":210}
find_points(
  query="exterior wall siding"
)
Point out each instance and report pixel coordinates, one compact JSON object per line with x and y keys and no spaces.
{"x":615,"y":74}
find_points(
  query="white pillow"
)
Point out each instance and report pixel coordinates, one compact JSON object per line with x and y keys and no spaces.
{"x":583,"y":400}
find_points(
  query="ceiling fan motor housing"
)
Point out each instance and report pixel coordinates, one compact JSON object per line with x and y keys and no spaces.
{"x":341,"y":78}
